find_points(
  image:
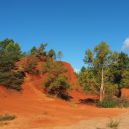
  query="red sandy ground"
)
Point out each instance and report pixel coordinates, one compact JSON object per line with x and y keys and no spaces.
{"x":37,"y":110}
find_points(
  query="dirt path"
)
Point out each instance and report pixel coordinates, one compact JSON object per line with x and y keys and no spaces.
{"x":100,"y":123}
{"x":91,"y":123}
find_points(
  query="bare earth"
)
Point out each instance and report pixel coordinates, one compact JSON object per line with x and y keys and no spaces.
{"x":34,"y":110}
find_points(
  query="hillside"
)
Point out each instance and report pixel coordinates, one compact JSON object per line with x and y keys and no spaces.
{"x":35,"y":110}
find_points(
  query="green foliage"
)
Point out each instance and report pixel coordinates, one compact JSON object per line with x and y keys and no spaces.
{"x":111,"y":89}
{"x":88,"y":80}
{"x":98,"y":61}
{"x":109,"y":102}
{"x":9,"y":53}
{"x":98,"y":57}
{"x":7,"y":117}
{"x":12,"y":80}
{"x":56,"y":85}
{"x":10,"y":76}
{"x":104,"y":68}
{"x":53,"y":67}
{"x":52,"y":54}
{"x":102,"y":52}
{"x":119,"y":70}
{"x":88,"y":58}
{"x":56,"y":82}
{"x":59,"y":55}
{"x":39,"y":51}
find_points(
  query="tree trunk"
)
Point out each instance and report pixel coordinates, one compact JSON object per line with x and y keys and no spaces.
{"x":102,"y":86}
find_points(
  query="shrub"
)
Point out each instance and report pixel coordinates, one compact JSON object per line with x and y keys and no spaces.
{"x":107,"y":103}
{"x":56,"y":85}
{"x":29,"y":64}
{"x":122,"y":102}
{"x":12,"y":80}
{"x":113,"y":124}
{"x":7,"y":117}
{"x":53,"y":67}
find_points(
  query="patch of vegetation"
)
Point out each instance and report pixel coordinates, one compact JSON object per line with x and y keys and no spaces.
{"x":56,"y":85}
{"x":106,"y":71}
{"x":113,"y":124}
{"x":29,"y":64}
{"x":56,"y":82}
{"x":7,"y":117}
{"x":123,"y":102}
{"x":109,"y":102}
{"x":12,"y":80}
{"x":10,"y":76}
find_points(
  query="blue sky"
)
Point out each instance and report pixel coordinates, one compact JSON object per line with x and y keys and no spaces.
{"x":68,"y":25}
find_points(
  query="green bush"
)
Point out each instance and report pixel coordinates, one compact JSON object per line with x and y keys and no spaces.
{"x":53,"y":67}
{"x":107,"y":103}
{"x":12,"y":80}
{"x":56,"y":85}
{"x":56,"y":82}
{"x":110,"y":102}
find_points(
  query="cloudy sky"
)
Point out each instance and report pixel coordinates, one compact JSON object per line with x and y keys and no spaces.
{"x":68,"y":25}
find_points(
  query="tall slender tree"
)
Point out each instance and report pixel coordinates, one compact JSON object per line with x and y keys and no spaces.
{"x":97,"y":59}
{"x":59,"y":55}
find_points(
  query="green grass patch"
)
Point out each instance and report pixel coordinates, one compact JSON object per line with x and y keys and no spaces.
{"x":109,"y":102}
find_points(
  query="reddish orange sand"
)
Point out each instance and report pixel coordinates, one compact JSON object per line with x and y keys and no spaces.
{"x":37,"y":110}
{"x":42,"y":111}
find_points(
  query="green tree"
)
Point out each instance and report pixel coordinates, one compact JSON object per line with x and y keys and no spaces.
{"x":59,"y":55}
{"x":33,"y":50}
{"x":10,"y":75}
{"x":39,"y":52}
{"x":52,"y":54}
{"x":88,"y":80}
{"x":98,"y":59}
{"x":119,"y":70}
{"x":53,"y":67}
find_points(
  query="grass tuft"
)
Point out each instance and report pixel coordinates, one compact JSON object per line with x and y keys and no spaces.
{"x":7,"y":117}
{"x":114,"y":124}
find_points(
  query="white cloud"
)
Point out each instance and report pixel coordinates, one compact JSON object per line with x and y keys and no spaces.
{"x":126,"y":44}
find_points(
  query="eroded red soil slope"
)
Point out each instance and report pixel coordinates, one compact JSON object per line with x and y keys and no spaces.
{"x":35,"y":110}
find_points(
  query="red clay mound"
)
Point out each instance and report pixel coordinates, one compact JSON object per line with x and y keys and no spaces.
{"x":71,"y":76}
{"x":125,"y":92}
{"x":35,"y":111}
{"x":33,"y":83}
{"x":5,"y":93}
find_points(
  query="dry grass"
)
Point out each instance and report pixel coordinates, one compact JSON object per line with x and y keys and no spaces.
{"x":113,"y":124}
{"x":7,"y":117}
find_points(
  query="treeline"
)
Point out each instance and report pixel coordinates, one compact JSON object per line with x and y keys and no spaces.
{"x":106,"y":71}
{"x":14,"y":64}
